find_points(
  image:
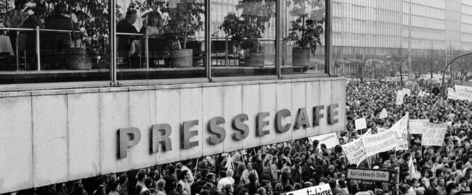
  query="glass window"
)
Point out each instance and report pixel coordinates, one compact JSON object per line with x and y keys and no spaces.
{"x":54,"y":41}
{"x":160,"y":39}
{"x":304,"y":52}
{"x":246,"y":46}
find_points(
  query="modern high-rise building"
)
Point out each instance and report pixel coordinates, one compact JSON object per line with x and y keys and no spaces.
{"x":372,"y":27}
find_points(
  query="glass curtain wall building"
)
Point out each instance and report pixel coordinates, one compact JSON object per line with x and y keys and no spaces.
{"x":154,"y":41}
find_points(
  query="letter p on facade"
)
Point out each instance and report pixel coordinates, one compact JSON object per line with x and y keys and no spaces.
{"x":127,"y":138}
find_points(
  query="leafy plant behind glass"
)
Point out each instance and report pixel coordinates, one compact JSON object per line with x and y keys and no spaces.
{"x":306,"y":28}
{"x":248,"y":28}
{"x":184,"y":21}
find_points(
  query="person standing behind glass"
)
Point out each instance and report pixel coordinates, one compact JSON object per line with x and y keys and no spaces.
{"x":126,"y":26}
{"x":15,"y":19}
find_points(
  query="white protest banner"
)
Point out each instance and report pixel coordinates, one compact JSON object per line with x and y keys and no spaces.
{"x":315,"y":190}
{"x":330,"y":140}
{"x":401,"y":132}
{"x":354,"y":151}
{"x":400,"y":96}
{"x":451,"y":94}
{"x":463,"y":92}
{"x":361,"y":123}
{"x":434,"y":134}
{"x":417,"y":126}
{"x":380,"y":142}
{"x":383,"y":114}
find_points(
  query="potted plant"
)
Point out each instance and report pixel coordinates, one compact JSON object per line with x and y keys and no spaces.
{"x":306,"y":29}
{"x":246,"y":30}
{"x":184,"y":20}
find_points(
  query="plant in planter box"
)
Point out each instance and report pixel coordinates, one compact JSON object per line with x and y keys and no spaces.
{"x":306,"y":29}
{"x":184,"y":20}
{"x":246,"y":30}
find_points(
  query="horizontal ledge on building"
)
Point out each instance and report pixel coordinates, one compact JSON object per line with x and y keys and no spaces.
{"x":43,"y":89}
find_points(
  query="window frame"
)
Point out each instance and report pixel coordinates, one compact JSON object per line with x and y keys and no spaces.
{"x":114,"y":82}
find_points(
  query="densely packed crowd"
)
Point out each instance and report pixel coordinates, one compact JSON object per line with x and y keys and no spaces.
{"x":280,"y":168}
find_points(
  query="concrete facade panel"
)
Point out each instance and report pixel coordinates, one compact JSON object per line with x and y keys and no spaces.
{"x":50,"y":140}
{"x":84,"y":135}
{"x":16,"y":141}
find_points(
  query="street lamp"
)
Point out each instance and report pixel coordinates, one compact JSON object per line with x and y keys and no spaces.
{"x":444,"y":72}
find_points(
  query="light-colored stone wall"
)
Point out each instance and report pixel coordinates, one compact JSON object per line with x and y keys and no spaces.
{"x":55,"y":136}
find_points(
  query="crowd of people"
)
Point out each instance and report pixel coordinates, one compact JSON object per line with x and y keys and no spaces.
{"x":284,"y":167}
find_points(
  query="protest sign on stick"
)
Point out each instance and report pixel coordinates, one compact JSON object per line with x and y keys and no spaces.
{"x":354,"y":151}
{"x":361,"y":123}
{"x":383,"y":114}
{"x":435,"y":134}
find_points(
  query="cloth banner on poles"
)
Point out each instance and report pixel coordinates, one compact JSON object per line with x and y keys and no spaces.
{"x":360,"y":123}
{"x":330,"y":140}
{"x":401,"y":132}
{"x":355,"y":151}
{"x":315,"y":190}
{"x":463,"y":92}
{"x":435,"y":134}
{"x":380,"y":142}
{"x":417,"y":126}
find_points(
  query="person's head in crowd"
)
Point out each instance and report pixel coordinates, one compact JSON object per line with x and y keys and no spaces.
{"x":463,"y":182}
{"x":451,"y":188}
{"x":441,"y":181}
{"x":278,"y":188}
{"x":249,"y":166}
{"x":123,"y":179}
{"x":404,"y":188}
{"x":297,"y":186}
{"x":161,"y":184}
{"x":288,"y":188}
{"x":243,"y":191}
{"x":459,"y":165}
{"x":132,"y":16}
{"x":141,"y":175}
{"x":170,"y":169}
{"x":261,"y":191}
{"x":183,"y":175}
{"x":211,"y":177}
{"x":228,"y":189}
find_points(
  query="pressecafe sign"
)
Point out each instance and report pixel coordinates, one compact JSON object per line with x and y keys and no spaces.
{"x":66,"y":137}
{"x":369,"y":174}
